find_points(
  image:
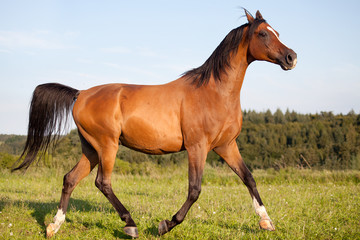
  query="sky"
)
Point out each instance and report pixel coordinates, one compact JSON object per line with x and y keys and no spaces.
{"x":87,"y":43}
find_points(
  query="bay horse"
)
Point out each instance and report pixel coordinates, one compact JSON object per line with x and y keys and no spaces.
{"x":198,"y":112}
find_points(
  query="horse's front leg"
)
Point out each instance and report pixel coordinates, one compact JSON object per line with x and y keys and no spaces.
{"x":197,"y":157}
{"x":230,"y":153}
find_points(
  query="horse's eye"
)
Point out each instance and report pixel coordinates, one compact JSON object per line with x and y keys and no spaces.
{"x":262,"y":34}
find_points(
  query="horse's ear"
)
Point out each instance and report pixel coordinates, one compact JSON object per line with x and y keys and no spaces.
{"x":249,"y":17}
{"x":258,"y":15}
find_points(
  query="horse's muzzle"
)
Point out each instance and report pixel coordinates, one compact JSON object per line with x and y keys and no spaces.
{"x":289,"y":60}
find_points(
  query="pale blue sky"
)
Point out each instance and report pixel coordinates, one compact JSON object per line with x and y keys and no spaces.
{"x":87,"y":43}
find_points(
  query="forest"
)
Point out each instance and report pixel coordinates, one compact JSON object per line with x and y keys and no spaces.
{"x":268,"y":140}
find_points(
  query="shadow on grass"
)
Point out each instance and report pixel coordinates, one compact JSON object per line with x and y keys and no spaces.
{"x":244,"y":228}
{"x":121,"y":235}
{"x":41,"y":209}
{"x":153,"y":230}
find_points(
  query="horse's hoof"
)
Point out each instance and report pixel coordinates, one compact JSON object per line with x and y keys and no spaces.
{"x":131,"y":231}
{"x":50,"y":230}
{"x":267,"y":224}
{"x":163,"y":227}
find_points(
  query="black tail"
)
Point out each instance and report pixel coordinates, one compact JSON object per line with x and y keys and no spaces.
{"x":49,"y":110}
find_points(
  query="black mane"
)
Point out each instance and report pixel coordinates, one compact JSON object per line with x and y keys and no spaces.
{"x":218,"y":62}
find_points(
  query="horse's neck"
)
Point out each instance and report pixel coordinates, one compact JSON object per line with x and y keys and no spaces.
{"x":232,"y":82}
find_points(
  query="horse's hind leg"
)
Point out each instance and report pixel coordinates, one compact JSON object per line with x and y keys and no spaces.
{"x":103,"y":183}
{"x":87,"y":162}
{"x":230,"y":153}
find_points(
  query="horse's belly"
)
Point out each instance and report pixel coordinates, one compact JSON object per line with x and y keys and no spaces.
{"x":153,"y":136}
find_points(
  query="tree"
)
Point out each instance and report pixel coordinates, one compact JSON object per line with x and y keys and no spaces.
{"x":279,"y":117}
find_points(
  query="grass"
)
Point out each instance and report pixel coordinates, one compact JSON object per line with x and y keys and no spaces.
{"x":303,"y":204}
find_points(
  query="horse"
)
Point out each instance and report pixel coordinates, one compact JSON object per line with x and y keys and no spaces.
{"x":198,"y":112}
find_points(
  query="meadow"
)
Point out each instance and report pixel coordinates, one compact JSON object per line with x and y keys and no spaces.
{"x":303,"y":204}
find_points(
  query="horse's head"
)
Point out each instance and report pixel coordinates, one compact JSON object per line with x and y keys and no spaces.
{"x":265,"y":45}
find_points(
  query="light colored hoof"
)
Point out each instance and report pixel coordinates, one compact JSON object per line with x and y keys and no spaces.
{"x":267,"y":224}
{"x":50,"y":230}
{"x":131,"y":231}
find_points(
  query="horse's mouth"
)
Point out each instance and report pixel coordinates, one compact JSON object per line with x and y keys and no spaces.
{"x":289,"y":62}
{"x":286,"y":67}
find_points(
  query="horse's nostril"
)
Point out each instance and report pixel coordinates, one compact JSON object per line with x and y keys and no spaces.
{"x":289,"y":59}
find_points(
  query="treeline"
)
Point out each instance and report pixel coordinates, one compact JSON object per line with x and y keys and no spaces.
{"x":267,"y":140}
{"x":323,"y":140}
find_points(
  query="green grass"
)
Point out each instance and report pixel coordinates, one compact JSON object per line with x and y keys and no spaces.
{"x":303,"y":204}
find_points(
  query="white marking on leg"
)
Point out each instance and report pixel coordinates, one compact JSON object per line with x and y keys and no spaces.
{"x":59,"y":219}
{"x":260,"y":210}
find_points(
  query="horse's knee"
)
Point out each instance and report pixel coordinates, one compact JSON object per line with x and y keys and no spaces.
{"x":194,"y":193}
